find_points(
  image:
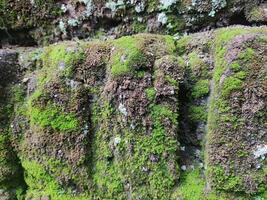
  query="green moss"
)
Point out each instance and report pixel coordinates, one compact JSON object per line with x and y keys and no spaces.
{"x":200,"y":89}
{"x":140,"y":74}
{"x":42,"y":183}
{"x":235,"y":66}
{"x":255,"y":15}
{"x":198,"y":67}
{"x":247,"y":55}
{"x":231,"y":84}
{"x":11,"y":174}
{"x":52,"y":116}
{"x":113,"y":166}
{"x":139,"y":27}
{"x":191,"y":187}
{"x":176,"y":23}
{"x":194,"y":60}
{"x":24,"y":15}
{"x":151,"y":93}
{"x":152,"y":5}
{"x":183,"y":43}
{"x":170,"y":45}
{"x":229,"y":183}
{"x":198,"y":113}
{"x":60,"y":58}
{"x":265,"y":170}
{"x":223,"y":36}
{"x":171,"y":80}
{"x":127,"y":56}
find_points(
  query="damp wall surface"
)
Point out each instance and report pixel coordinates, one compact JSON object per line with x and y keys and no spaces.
{"x":146,"y":116}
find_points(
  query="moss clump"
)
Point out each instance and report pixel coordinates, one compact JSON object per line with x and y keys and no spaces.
{"x":183,"y":43}
{"x":42,"y":184}
{"x":198,"y":68}
{"x":52,"y":116}
{"x":191,"y":187}
{"x":139,"y":27}
{"x":256,"y":14}
{"x":200,"y":89}
{"x":194,"y":60}
{"x":61,"y":58}
{"x":198,"y":113}
{"x":148,"y":179}
{"x":127,"y":56}
{"x":11,"y":172}
{"x":151,"y":93}
{"x":224,"y":182}
{"x":231,"y":84}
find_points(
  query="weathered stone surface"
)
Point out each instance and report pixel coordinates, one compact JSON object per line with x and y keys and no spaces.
{"x":131,"y":118}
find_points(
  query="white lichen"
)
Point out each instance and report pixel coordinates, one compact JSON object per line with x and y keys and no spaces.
{"x":61,"y":65}
{"x":122,"y":109}
{"x":72,"y":84}
{"x":114,"y":6}
{"x":165,"y":4}
{"x":62,"y":27}
{"x":183,"y":167}
{"x":64,"y":8}
{"x":73,"y":22}
{"x":117,"y":141}
{"x":162,"y":18}
{"x":216,"y":6}
{"x":86,"y":129}
{"x":89,"y":7}
{"x":140,"y":7}
{"x":260,"y":151}
{"x":32,"y":2}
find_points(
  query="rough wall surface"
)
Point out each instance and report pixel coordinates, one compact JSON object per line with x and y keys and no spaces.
{"x":135,"y":100}
{"x":140,"y":117}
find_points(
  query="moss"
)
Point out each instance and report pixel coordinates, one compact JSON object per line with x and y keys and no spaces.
{"x":139,"y":27}
{"x":191,"y":186}
{"x":42,"y":183}
{"x":198,"y":67}
{"x":200,"y":89}
{"x":11,"y":174}
{"x":151,"y":93}
{"x":175,"y":23}
{"x":227,"y":77}
{"x":25,"y":15}
{"x":127,"y":56}
{"x":223,"y":36}
{"x":255,"y":14}
{"x":171,"y":80}
{"x":225,"y":182}
{"x":265,"y":170}
{"x":198,"y":113}
{"x":183,"y":43}
{"x":106,"y":172}
{"x":148,"y":179}
{"x":235,"y":66}
{"x":152,"y":5}
{"x":231,"y":84}
{"x":61,"y":57}
{"x":52,"y":116}
{"x":194,"y":60}
{"x":247,"y":55}
{"x":140,"y":74}
{"x":170,"y":44}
